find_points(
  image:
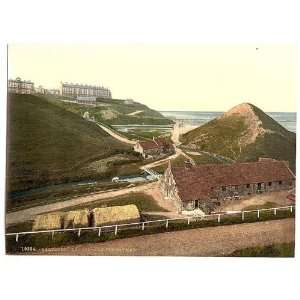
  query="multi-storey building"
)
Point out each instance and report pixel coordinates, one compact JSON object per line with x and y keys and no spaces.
{"x":75,"y":90}
{"x":19,"y":86}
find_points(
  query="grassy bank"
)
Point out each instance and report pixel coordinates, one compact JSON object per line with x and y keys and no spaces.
{"x":114,"y":112}
{"x":49,"y":144}
{"x":275,"y":250}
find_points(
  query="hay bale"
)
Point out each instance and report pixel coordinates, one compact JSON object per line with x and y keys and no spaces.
{"x":76,"y":218}
{"x":47,"y":222}
{"x":115,"y":215}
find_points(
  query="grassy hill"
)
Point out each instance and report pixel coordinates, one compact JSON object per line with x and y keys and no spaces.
{"x":115,"y":112}
{"x":47,"y":144}
{"x":244,"y":133}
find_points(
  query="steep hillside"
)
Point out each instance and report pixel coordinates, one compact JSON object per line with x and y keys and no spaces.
{"x":47,"y":144}
{"x":244,"y":133}
{"x":115,"y":112}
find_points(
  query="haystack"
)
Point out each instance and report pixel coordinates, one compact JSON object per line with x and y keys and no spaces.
{"x":76,"y":218}
{"x":116,"y":215}
{"x":47,"y":222}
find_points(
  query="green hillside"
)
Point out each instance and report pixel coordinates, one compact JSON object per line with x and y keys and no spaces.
{"x":47,"y":144}
{"x":115,"y":111}
{"x":244,"y":133}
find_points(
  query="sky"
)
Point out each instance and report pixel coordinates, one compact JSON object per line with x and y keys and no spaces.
{"x":184,"y":77}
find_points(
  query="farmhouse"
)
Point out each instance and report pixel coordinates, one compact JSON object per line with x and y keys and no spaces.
{"x":153,"y":148}
{"x":205,"y":187}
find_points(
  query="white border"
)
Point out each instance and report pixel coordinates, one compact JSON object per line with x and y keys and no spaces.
{"x":145,"y":21}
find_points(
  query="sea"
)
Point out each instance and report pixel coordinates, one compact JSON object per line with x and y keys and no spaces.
{"x":197,"y":118}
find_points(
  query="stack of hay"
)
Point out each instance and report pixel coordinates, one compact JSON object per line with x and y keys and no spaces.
{"x":47,"y":222}
{"x":116,"y":215}
{"x":76,"y":218}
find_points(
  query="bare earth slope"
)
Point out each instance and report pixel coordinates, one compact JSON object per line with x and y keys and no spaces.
{"x":244,"y":133}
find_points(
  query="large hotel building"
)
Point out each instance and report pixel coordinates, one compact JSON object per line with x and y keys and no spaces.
{"x":75,"y":90}
{"x":20,"y":86}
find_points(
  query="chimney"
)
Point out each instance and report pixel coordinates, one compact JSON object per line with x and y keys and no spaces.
{"x":188,"y":164}
{"x":265,"y":159}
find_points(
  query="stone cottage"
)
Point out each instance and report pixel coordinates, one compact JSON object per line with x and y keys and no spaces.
{"x":206,"y":186}
{"x":154,"y":148}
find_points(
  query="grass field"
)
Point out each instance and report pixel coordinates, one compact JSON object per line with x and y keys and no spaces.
{"x":143,"y":202}
{"x":275,"y":250}
{"x":114,"y":111}
{"x":49,"y":144}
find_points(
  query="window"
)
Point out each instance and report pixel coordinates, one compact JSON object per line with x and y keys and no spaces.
{"x":236,"y":187}
{"x":248,"y":186}
{"x":280,"y":182}
{"x":270,"y":183}
{"x":224,"y":188}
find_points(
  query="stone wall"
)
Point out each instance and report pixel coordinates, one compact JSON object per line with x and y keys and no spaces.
{"x":169,"y":190}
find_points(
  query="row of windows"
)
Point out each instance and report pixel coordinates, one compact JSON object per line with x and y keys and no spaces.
{"x":236,"y":187}
{"x":20,"y":85}
{"x":86,"y":92}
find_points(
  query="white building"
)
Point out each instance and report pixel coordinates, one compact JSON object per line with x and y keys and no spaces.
{"x":20,"y":86}
{"x":41,"y":90}
{"x":55,"y":92}
{"x":86,"y":100}
{"x":74,"y":90}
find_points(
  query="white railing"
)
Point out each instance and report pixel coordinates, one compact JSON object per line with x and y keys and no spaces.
{"x":164,"y":222}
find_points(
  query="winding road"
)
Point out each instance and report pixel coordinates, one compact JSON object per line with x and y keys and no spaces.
{"x":29,"y":213}
{"x":116,"y":135}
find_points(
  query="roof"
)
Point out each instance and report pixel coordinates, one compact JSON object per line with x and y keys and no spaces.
{"x":154,"y":144}
{"x":199,"y":182}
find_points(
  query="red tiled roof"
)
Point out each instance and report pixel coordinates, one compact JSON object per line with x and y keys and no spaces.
{"x":199,"y":182}
{"x":147,"y":145}
{"x":154,"y":144}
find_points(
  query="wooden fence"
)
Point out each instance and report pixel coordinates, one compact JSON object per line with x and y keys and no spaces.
{"x":161,"y":223}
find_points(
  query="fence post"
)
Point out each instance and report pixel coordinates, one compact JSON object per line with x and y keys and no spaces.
{"x":99,"y":232}
{"x":258,"y":214}
{"x":188,"y":221}
{"x":291,"y":209}
{"x":243,"y":215}
{"x":219,"y":218}
{"x":52,"y":235}
{"x":167,"y":223}
{"x":275,"y":211}
{"x":116,"y":229}
{"x":17,"y":237}
{"x":79,"y":231}
{"x":143,"y":226}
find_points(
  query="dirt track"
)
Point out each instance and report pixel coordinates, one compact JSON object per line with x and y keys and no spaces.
{"x":29,"y":213}
{"x":211,"y":241}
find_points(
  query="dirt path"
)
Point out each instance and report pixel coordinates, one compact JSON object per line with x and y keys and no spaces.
{"x":155,"y":192}
{"x":279,"y":198}
{"x":212,"y":241}
{"x":176,"y":133}
{"x":29,"y":213}
{"x":162,"y":161}
{"x":116,"y":136}
{"x":135,"y":113}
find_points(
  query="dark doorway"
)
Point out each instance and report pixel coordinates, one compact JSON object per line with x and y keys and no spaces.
{"x":196,"y":204}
